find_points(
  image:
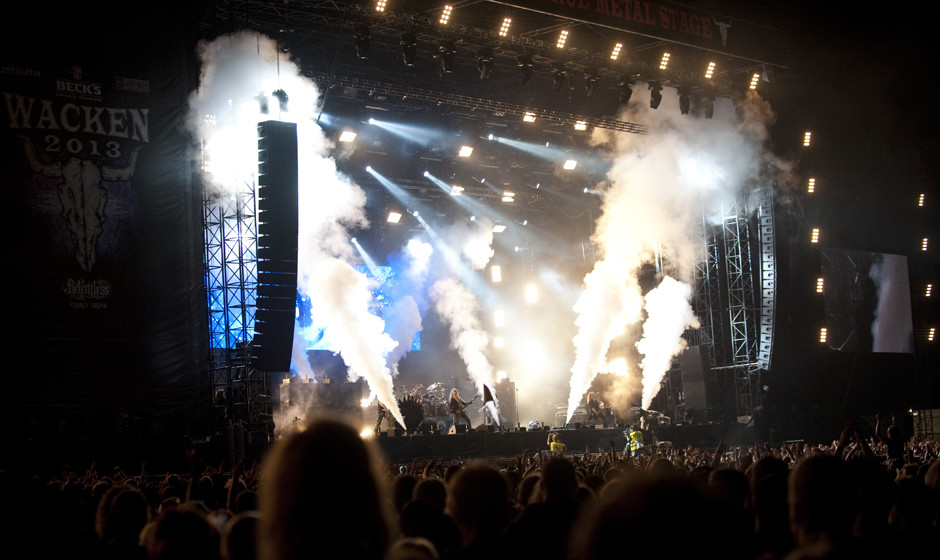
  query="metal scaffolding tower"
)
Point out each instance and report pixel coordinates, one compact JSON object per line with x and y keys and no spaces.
{"x":231,"y":277}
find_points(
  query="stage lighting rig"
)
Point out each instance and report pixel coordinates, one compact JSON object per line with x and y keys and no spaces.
{"x":485,"y":62}
{"x":524,"y":61}
{"x":281,"y":97}
{"x":656,"y":94}
{"x":559,"y":74}
{"x":363,"y":39}
{"x":409,"y":48}
{"x":685,"y":98}
{"x":708,"y":102}
{"x":446,"y":55}
{"x":625,"y":90}
{"x":591,"y":79}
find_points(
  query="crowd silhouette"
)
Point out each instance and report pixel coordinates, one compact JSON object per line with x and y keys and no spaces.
{"x":325,"y":492}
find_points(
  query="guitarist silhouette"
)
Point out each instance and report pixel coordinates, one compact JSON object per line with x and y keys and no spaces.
{"x":457,"y":406}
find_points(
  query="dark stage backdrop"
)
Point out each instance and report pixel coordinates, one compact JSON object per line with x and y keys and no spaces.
{"x":105,"y":345}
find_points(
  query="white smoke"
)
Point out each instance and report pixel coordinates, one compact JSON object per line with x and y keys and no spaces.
{"x":404,"y":314}
{"x":239,"y":74}
{"x":459,"y":309}
{"x":668,"y":315}
{"x":892,"y":329}
{"x":661,"y":184}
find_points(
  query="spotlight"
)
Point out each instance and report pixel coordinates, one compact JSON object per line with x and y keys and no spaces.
{"x":281,"y":97}
{"x":485,"y":62}
{"x":559,"y":74}
{"x":363,"y":38}
{"x":591,"y":80}
{"x":525,"y":64}
{"x":685,"y":98}
{"x":656,"y":94}
{"x":446,"y":53}
{"x":409,"y":48}
{"x":625,"y":90}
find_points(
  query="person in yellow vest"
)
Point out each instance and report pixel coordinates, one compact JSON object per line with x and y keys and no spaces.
{"x":554,"y":444}
{"x":634,"y":440}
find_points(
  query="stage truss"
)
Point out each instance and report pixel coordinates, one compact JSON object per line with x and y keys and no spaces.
{"x":239,"y":389}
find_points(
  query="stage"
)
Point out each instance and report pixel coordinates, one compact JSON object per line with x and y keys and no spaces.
{"x":482,"y":444}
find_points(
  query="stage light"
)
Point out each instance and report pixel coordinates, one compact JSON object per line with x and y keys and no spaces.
{"x":807,"y":137}
{"x":625,"y":90}
{"x":656,"y":94}
{"x":755,"y":79}
{"x":347,"y":136}
{"x":559,"y":74}
{"x":580,"y":125}
{"x":928,"y":290}
{"x":562,"y":39}
{"x":456,"y":190}
{"x":664,"y":61}
{"x":499,"y":228}
{"x":921,"y":199}
{"x":811,"y":186}
{"x":528,"y":117}
{"x":814,"y":235}
{"x":509,"y":196}
{"x":446,"y":53}
{"x":710,"y":71}
{"x":685,"y":100}
{"x":504,"y":27}
{"x":591,"y":79}
{"x":485,"y":62}
{"x":615,"y":54}
{"x":923,"y":244}
{"x":819,"y":285}
{"x":393,"y":217}
{"x":570,"y":164}
{"x":281,"y":97}
{"x":524,"y":61}
{"x":531,"y":293}
{"x":823,"y":334}
{"x":409,"y":48}
{"x":363,"y":39}
{"x":445,"y":14}
{"x":380,"y":5}
{"x":496,"y":273}
{"x":931,"y":333}
{"x":465,"y":151}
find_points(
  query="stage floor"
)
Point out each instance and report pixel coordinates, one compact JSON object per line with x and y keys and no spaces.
{"x":505,"y":444}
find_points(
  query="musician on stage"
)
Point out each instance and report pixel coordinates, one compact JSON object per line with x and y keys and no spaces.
{"x":594,"y":409}
{"x":457,"y":406}
{"x":383,"y":414}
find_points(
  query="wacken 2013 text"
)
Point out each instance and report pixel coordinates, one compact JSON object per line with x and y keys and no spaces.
{"x":30,"y":113}
{"x":671,"y":18}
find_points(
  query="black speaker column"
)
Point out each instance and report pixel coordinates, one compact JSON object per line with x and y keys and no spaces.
{"x":277,"y":244}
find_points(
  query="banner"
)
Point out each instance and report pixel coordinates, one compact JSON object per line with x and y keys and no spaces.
{"x":105,"y":235}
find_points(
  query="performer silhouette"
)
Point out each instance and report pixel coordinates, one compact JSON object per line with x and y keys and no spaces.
{"x":457,"y":406}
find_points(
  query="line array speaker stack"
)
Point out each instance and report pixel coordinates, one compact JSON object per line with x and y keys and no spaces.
{"x":693,"y":382}
{"x":277,"y":244}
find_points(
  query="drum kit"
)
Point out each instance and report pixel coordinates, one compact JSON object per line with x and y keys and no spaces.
{"x":433,"y":399}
